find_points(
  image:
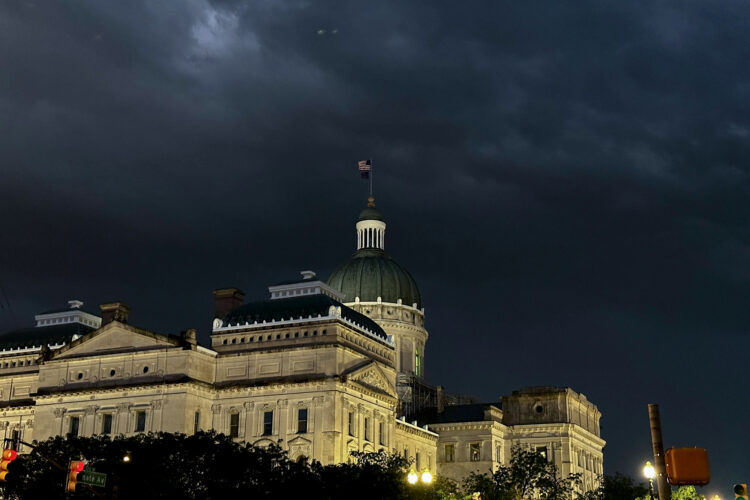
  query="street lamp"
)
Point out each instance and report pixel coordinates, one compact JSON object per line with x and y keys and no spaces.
{"x":426,"y":477}
{"x":412,"y":477}
{"x":650,"y":473}
{"x":716,"y":497}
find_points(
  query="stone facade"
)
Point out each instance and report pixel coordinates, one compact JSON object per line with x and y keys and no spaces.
{"x":303,"y":369}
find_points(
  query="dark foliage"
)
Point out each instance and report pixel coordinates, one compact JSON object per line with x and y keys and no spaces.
{"x":208,"y":466}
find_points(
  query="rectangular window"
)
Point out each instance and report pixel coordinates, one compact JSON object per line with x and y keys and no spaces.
{"x":351,"y":423}
{"x":474,"y":452}
{"x":417,"y":461}
{"x":417,"y":363}
{"x":406,"y":453}
{"x":140,"y":421}
{"x":498,"y":453}
{"x":579,"y":458}
{"x":302,"y":421}
{"x":450,"y":452}
{"x":197,"y":422}
{"x":107,"y":423}
{"x":267,"y":423}
{"x":542,"y":450}
{"x":75,"y":423}
{"x":234,"y":425}
{"x":381,"y":433}
{"x":367,"y":429}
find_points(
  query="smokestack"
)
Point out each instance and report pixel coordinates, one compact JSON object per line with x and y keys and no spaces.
{"x":226,"y":299}
{"x":114,"y":311}
{"x":190,"y":336}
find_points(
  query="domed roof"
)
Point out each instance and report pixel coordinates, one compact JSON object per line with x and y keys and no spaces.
{"x":370,"y":213}
{"x":371,"y":273}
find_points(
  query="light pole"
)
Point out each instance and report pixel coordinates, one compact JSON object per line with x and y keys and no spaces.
{"x":650,"y":473}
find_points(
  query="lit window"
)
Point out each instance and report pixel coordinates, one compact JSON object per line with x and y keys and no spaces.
{"x":268,"y":423}
{"x":302,"y":420}
{"x":474,"y":452}
{"x":450,"y":452}
{"x":75,"y":423}
{"x":140,"y":421}
{"x":234,"y":425}
{"x":107,"y":423}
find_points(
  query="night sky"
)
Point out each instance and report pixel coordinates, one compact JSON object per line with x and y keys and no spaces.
{"x":568,"y":182}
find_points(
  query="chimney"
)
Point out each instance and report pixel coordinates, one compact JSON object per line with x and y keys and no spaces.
{"x":114,"y":311}
{"x":190,"y":336}
{"x":226,"y":299}
{"x":440,"y":399}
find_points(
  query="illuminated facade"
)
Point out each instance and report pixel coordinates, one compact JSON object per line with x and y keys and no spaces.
{"x":322,"y":367}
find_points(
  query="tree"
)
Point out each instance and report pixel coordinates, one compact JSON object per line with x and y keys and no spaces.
{"x":209,"y":466}
{"x":527,"y":475}
{"x":682,"y":493}
{"x":617,"y":487}
{"x":163,"y":465}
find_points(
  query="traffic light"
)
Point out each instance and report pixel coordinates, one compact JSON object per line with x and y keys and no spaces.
{"x":8,"y":456}
{"x":740,"y":491}
{"x":75,"y":467}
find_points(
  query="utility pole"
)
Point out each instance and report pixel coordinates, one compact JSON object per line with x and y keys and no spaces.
{"x":665,"y":491}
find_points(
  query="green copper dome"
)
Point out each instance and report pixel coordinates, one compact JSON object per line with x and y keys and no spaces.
{"x":371,"y":273}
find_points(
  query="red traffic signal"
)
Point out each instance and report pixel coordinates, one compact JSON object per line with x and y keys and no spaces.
{"x":7,"y":457}
{"x":687,"y":466}
{"x":75,"y":467}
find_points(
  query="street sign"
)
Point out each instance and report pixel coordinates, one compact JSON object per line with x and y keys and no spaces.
{"x":92,"y":478}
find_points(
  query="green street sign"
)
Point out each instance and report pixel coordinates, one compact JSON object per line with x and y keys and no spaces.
{"x":92,"y":478}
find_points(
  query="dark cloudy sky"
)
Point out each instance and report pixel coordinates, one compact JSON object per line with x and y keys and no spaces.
{"x":567,"y":182}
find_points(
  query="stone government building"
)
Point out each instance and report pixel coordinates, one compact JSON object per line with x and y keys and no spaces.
{"x":321,"y":367}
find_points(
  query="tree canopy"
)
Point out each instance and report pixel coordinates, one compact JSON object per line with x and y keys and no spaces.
{"x":208,"y":466}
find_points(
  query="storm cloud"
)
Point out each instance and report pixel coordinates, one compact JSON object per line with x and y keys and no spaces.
{"x":566,"y":181}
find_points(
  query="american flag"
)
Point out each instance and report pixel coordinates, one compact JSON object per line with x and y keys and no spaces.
{"x":365,"y":167}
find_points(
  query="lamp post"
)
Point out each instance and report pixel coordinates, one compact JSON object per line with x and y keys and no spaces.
{"x":413,"y":477}
{"x":650,"y":473}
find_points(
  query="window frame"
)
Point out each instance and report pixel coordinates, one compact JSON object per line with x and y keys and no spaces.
{"x":107,"y":418}
{"x":267,"y":425}
{"x":77,"y":426}
{"x":475,"y":447}
{"x":450,"y":452}
{"x":140,"y":421}
{"x":234,"y":425}
{"x":302,"y":423}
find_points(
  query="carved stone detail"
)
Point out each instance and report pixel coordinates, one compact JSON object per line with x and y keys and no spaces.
{"x":372,"y":379}
{"x":249,"y":406}
{"x":216,"y":409}
{"x":59,"y":412}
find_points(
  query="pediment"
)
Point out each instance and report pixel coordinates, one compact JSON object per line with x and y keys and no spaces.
{"x":372,"y":376}
{"x":113,"y":338}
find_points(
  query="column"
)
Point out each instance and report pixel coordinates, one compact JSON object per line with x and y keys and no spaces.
{"x":216,"y":417}
{"x":248,"y":433}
